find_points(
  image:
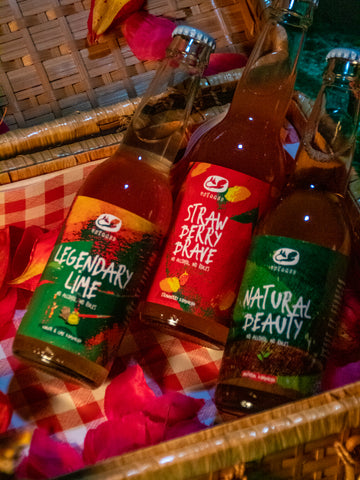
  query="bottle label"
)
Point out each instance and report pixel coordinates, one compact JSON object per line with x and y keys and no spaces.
{"x":201,"y":267}
{"x":92,"y":280}
{"x":286,"y":312}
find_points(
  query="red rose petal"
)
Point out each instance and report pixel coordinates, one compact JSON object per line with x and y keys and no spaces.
{"x":128,"y":392}
{"x":184,"y":428}
{"x":115,"y":437}
{"x":31,"y":257}
{"x":7,"y":310}
{"x":173,"y":407}
{"x":147,"y":35}
{"x":336,"y":376}
{"x":24,"y":247}
{"x":223,"y":62}
{"x":4,"y":254}
{"x":48,"y":458}
{"x":6,"y":412}
{"x":3,"y":127}
{"x":103,"y":16}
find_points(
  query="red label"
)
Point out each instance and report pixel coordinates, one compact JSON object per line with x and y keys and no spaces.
{"x":204,"y":257}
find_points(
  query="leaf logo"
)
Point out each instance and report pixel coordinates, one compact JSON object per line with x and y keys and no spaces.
{"x":215,"y":183}
{"x":286,"y":256}
{"x":108,"y":223}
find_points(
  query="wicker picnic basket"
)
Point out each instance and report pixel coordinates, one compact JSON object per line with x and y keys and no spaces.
{"x":67,"y":104}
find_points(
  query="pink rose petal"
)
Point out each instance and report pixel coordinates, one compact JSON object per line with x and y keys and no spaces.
{"x":6,"y":412}
{"x":184,"y":428}
{"x":128,"y":392}
{"x":223,"y":62}
{"x":173,"y":407}
{"x":7,"y":310}
{"x":336,"y":376}
{"x":31,"y":257}
{"x":48,"y":458}
{"x":103,"y":17}
{"x":147,"y":35}
{"x":115,"y":437}
{"x":4,"y":255}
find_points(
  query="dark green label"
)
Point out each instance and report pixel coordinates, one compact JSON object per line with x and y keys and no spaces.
{"x":286,"y":313}
{"x":290,"y":294}
{"x":92,"y":280}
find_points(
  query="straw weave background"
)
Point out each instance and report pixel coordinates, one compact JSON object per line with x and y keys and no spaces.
{"x":48,"y":70}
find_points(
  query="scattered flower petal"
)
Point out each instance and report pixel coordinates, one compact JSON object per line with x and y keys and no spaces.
{"x":103,"y":14}
{"x":223,"y":62}
{"x":7,"y":309}
{"x":147,"y":35}
{"x":48,"y":458}
{"x":31,"y":257}
{"x":173,"y":407}
{"x":6,"y":412}
{"x":115,"y":437}
{"x":137,"y":418}
{"x":184,"y":428}
{"x":346,"y":344}
{"x":4,"y":254}
{"x":128,"y":392}
{"x":336,"y":376}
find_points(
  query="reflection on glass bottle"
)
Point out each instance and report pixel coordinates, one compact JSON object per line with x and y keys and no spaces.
{"x":110,"y":239}
{"x":288,"y":304}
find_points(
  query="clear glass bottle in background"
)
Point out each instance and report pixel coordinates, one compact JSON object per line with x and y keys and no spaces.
{"x":288,"y":304}
{"x":237,"y":172}
{"x":110,"y":239}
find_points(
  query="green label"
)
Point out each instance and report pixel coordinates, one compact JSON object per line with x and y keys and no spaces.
{"x":92,"y":280}
{"x":288,"y":303}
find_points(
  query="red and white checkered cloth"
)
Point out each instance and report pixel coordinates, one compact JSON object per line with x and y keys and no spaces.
{"x":168,"y":363}
{"x":62,"y":408}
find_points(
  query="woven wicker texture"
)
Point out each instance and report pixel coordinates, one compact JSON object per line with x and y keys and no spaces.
{"x":86,"y":136}
{"x":48,"y":70}
{"x":302,"y":440}
{"x":48,"y":73}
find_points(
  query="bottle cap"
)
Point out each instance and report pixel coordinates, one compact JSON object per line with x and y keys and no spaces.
{"x":343,"y":63}
{"x":346,"y":53}
{"x":196,"y":34}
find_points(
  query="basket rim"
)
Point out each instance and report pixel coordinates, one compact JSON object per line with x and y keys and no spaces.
{"x":238,"y":441}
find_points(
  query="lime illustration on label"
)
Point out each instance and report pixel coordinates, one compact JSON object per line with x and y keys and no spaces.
{"x":93,"y":280}
{"x":200,"y":269}
{"x":286,"y":313}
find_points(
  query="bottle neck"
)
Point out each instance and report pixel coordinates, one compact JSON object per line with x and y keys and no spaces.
{"x":327,"y":148}
{"x":160,"y":120}
{"x":269,"y":76}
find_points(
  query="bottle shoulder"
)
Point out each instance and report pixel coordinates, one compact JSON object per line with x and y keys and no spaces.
{"x":132,"y":184}
{"x":128,"y":164}
{"x":243,"y":146}
{"x":314,"y":216}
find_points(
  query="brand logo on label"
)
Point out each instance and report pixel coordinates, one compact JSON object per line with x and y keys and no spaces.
{"x":286,"y":256}
{"x":215,"y":183}
{"x":108,"y":223}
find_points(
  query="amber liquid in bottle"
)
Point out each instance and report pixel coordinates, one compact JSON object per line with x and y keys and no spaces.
{"x":192,"y":295}
{"x":308,"y":215}
{"x":265,"y":365}
{"x":128,"y":180}
{"x":103,"y":257}
{"x":240,"y":140}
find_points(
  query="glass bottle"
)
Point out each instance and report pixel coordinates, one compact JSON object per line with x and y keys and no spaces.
{"x":287,"y":308}
{"x":237,"y":170}
{"x":110,"y":239}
